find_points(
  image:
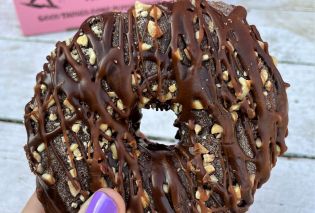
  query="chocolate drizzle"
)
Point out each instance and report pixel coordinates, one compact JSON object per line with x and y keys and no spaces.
{"x":97,"y":88}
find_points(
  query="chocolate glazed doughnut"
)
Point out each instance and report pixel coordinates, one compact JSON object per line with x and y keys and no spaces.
{"x":198,"y":58}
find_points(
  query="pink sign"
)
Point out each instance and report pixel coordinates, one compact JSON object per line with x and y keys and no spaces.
{"x":42,"y":16}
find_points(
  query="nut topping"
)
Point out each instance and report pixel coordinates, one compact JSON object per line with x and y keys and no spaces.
{"x":199,"y":148}
{"x":145,"y":46}
{"x":209,"y":168}
{"x":73,"y":147}
{"x":235,"y":107}
{"x":120,"y":105}
{"x":205,"y":57}
{"x":237,"y":190}
{"x":196,"y":104}
{"x":225,"y":75}
{"x":41,"y":147}
{"x":208,"y":158}
{"x":197,"y":129}
{"x":76,"y":127}
{"x":73,"y":190}
{"x":103,"y":127}
{"x":92,"y":56}
{"x":165,"y":188}
{"x":268,"y":86}
{"x":246,"y":84}
{"x":114,"y":151}
{"x":177,"y":108}
{"x":82,"y":40}
{"x":135,"y":79}
{"x":145,"y":200}
{"x":48,"y":178}
{"x":52,"y":117}
{"x":140,"y":7}
{"x":234,"y":116}
{"x":213,"y":179}
{"x":178,"y":55}
{"x":264,"y":76}
{"x":186,"y":51}
{"x":197,"y":195}
{"x":172,"y":88}
{"x":154,"y":30}
{"x":216,"y":129}
{"x":258,"y":143}
{"x":73,"y":172}
{"x":36,"y":156}
{"x":68,"y":105}
{"x":156,"y":13}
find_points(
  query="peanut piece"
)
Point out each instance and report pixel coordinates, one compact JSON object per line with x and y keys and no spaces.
{"x":264,"y":76}
{"x":144,"y":14}
{"x":82,"y":40}
{"x":235,"y":107}
{"x":209,"y":168}
{"x":213,"y":179}
{"x":48,"y":178}
{"x":208,"y":158}
{"x":113,"y":149}
{"x":166,"y":188}
{"x":216,"y":129}
{"x":37,"y":156}
{"x":73,"y":172}
{"x":197,"y":105}
{"x":186,"y":51}
{"x":103,"y":127}
{"x":139,"y":7}
{"x":197,"y":129}
{"x":92,"y":56}
{"x":268,"y":86}
{"x":41,"y":147}
{"x":199,"y":148}
{"x":245,"y":88}
{"x":120,"y":105}
{"x":258,"y":143}
{"x":76,"y":127}
{"x":197,"y":195}
{"x":178,"y":55}
{"x":145,"y":200}
{"x":225,"y":75}
{"x":68,"y":105}
{"x":74,"y":191}
{"x":73,"y":147}
{"x":172,"y":88}
{"x":156,"y":13}
{"x":154,"y":30}
{"x":205,"y":57}
{"x":52,"y":117}
{"x":237,"y":190}
{"x":145,"y":46}
{"x":234,"y":116}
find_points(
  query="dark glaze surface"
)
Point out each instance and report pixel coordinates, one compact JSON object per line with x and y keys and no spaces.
{"x":193,"y":82}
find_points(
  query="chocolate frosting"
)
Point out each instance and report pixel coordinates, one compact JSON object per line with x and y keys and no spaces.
{"x":225,"y":81}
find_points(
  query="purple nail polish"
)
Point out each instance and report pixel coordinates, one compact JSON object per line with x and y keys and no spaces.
{"x":100,"y":203}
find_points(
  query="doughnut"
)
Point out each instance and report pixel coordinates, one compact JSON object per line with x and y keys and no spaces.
{"x":200,"y":59}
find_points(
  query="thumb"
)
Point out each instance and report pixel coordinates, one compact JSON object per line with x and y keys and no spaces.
{"x":104,"y":200}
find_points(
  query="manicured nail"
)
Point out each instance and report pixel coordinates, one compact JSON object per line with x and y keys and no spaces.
{"x":101,"y":202}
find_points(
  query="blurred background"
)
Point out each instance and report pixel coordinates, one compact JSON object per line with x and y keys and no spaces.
{"x":287,"y":25}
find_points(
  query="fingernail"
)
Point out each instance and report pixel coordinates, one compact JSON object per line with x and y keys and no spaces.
{"x":101,"y":202}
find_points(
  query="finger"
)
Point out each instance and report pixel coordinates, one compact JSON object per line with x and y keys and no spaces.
{"x":104,"y":200}
{"x":33,"y":205}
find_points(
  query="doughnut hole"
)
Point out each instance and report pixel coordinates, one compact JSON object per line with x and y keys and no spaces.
{"x":164,"y":130}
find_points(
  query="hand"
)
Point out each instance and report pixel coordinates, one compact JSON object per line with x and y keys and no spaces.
{"x":104,"y":200}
